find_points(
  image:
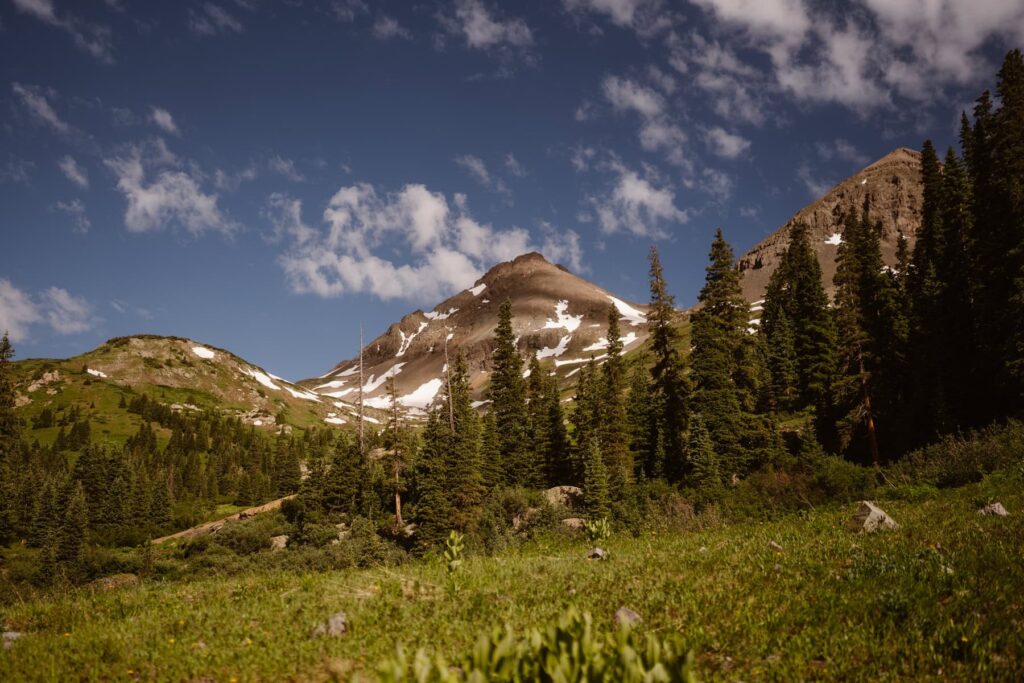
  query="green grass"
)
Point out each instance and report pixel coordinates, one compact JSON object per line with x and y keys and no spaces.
{"x":943,"y":597}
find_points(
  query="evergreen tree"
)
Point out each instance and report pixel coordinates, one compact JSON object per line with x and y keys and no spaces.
{"x":595,"y":481}
{"x":73,"y":532}
{"x":547,"y":427}
{"x":614,"y":428}
{"x":10,"y":423}
{"x":585,"y":418}
{"x":707,"y":474}
{"x":641,"y":422}
{"x":670,"y":390}
{"x":433,"y":508}
{"x":343,"y":479}
{"x":507,"y":394}
{"x":490,"y":452}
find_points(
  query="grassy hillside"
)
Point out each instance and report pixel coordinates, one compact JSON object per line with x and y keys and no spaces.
{"x":938,"y":598}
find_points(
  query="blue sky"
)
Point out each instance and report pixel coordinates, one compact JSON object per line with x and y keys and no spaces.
{"x":261,"y":175}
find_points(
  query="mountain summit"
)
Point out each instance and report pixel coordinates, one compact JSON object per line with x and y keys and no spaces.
{"x":893,"y":184}
{"x":556,"y":315}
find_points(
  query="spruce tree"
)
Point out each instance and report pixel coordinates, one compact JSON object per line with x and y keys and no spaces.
{"x":706,"y":470}
{"x":466,"y":486}
{"x":507,"y":393}
{"x":73,"y":532}
{"x":641,"y":422}
{"x":670,"y":390}
{"x":343,"y":479}
{"x":614,"y":429}
{"x":585,"y":418}
{"x":595,"y":481}
{"x":10,"y":423}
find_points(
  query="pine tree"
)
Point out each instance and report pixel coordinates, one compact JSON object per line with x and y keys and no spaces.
{"x":585,"y":418}
{"x":73,"y":532}
{"x":547,"y":428}
{"x":343,"y":479}
{"x":670,"y":388}
{"x":433,"y":507}
{"x":595,"y":481}
{"x":490,"y":453}
{"x":10,"y":423}
{"x":466,"y":485}
{"x":640,"y":419}
{"x":614,"y":428}
{"x":707,"y":474}
{"x":507,"y":394}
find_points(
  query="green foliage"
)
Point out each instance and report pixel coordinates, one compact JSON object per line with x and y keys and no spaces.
{"x":595,"y":481}
{"x":453,"y":547}
{"x":507,"y":393}
{"x":571,"y":649}
{"x":597,"y":530}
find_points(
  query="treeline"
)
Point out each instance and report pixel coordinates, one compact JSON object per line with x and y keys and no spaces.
{"x":64,"y":497}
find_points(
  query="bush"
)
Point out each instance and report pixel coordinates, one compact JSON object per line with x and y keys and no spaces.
{"x":956,"y":460}
{"x":569,"y":650}
{"x":249,"y":536}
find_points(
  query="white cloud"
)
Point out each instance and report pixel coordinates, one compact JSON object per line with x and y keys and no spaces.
{"x":842,"y":150}
{"x":285,"y":167}
{"x":347,"y":10}
{"x":163,"y":120}
{"x":643,"y":16}
{"x":385,"y":28}
{"x":93,"y":39}
{"x":661,"y":79}
{"x":172,"y":197}
{"x":58,"y":308}
{"x":16,"y":170}
{"x":38,"y":106}
{"x":65,"y":313}
{"x":434,"y":246}
{"x":73,"y":172}
{"x":657,"y":131}
{"x":76,"y":210}
{"x":212,"y":20}
{"x":563,"y":246}
{"x":483,"y":30}
{"x":17,"y":311}
{"x":478,"y":169}
{"x":635,"y":205}
{"x":513,"y":166}
{"x":726,"y":144}
{"x":866,"y":58}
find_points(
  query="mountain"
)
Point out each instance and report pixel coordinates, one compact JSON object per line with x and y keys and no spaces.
{"x":893,"y":183}
{"x":559,"y":317}
{"x":183,"y":373}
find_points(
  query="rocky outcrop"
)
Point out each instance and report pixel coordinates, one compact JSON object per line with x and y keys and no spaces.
{"x":893,"y":184}
{"x":994,"y":509}
{"x":564,"y":496}
{"x":869,"y":518}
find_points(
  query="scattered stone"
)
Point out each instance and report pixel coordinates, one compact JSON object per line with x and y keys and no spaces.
{"x":996,"y":509}
{"x":10,"y":637}
{"x":775,"y":546}
{"x":597,"y":554}
{"x":115,"y":581}
{"x":336,"y":626}
{"x":409,"y":530}
{"x":624,"y":616}
{"x":278,"y":542}
{"x":869,"y":518}
{"x":703,"y":549}
{"x":777,"y":567}
{"x":567,"y":496}
{"x":343,"y":531}
{"x":575,"y":523}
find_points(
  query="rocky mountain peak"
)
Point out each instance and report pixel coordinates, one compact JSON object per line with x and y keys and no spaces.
{"x":893,"y":184}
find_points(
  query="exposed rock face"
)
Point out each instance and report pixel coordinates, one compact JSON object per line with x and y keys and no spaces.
{"x":566,"y":496}
{"x":556,"y":316}
{"x":869,"y":518}
{"x":278,"y":543}
{"x":995,"y":509}
{"x":893,"y":183}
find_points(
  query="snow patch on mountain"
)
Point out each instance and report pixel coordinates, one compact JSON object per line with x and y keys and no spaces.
{"x":562,"y":318}
{"x":374,"y":382}
{"x":835,"y":239}
{"x":423,"y":396}
{"x":475,"y":291}
{"x":204,"y":352}
{"x":305,"y":395}
{"x":408,"y":340}
{"x":262,"y":378}
{"x":629,"y":313}
{"x":434,"y":315}
{"x":548,"y":352}
{"x":96,"y":373}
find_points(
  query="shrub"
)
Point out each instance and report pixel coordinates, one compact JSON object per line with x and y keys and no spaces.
{"x":957,"y":459}
{"x":249,"y":536}
{"x":569,"y":650}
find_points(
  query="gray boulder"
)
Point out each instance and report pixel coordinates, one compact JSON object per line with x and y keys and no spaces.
{"x":597,"y":554}
{"x":10,"y":637}
{"x":278,"y":543}
{"x":869,"y":518}
{"x":775,"y":546}
{"x":336,"y":626}
{"x":567,"y":496}
{"x":996,"y":509}
{"x":574,"y":523}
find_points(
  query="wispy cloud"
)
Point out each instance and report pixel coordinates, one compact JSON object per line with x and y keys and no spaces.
{"x":35,"y":101}
{"x":73,"y":172}
{"x":96,"y":40}
{"x":163,"y":120}
{"x":64,"y":313}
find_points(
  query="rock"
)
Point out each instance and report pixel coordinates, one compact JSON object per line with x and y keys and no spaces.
{"x":567,"y":496}
{"x":703,"y":549}
{"x":336,"y":626}
{"x":575,"y":523}
{"x":996,"y":509}
{"x":343,"y":531}
{"x":279,"y":542}
{"x":115,"y":581}
{"x":10,"y":637}
{"x":775,"y":546}
{"x":624,"y":616}
{"x":869,"y":518}
{"x":409,"y":530}
{"x":597,"y":554}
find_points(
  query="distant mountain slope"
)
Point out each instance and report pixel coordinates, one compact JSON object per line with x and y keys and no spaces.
{"x":559,"y":317}
{"x":183,"y":373}
{"x":893,"y":184}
